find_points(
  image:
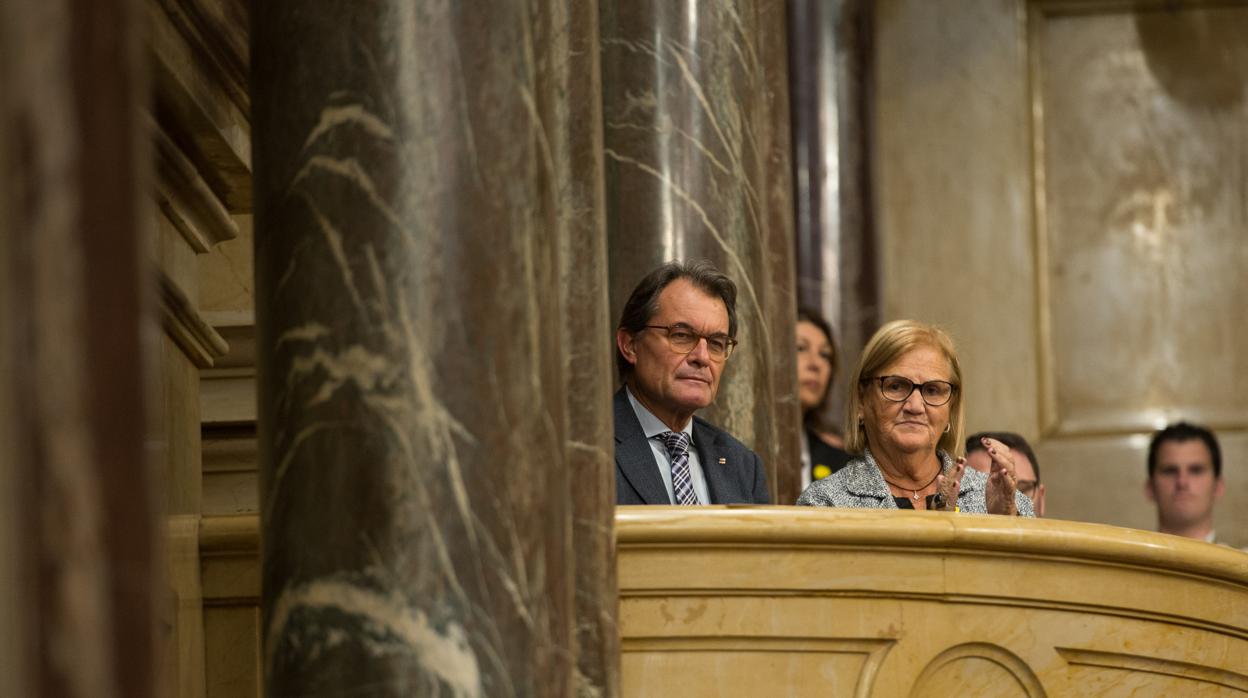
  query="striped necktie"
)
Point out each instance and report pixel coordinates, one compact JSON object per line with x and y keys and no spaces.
{"x":677,"y":443}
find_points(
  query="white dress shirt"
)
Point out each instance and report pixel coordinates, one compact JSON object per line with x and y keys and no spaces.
{"x":652,"y":427}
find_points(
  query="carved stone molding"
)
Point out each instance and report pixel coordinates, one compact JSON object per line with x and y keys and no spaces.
{"x":854,"y":661}
{"x":976,"y":605}
{"x":1122,"y":661}
{"x":183,"y":323}
{"x":239,"y":331}
{"x":216,"y":31}
{"x":230,"y":549}
{"x":831,"y":602}
{"x":200,"y":92}
{"x":228,"y":389}
{"x":186,"y":199}
{"x":988,"y":663}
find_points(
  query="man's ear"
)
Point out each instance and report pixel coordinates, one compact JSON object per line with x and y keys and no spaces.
{"x":624,"y":341}
{"x":1148,"y":490}
{"x":1219,"y":488}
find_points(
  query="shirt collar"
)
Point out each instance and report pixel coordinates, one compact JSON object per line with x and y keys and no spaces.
{"x":651,"y":425}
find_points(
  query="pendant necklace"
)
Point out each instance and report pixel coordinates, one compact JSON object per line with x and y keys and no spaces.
{"x":915,"y":495}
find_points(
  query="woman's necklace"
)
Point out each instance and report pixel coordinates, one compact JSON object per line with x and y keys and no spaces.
{"x":915,"y":492}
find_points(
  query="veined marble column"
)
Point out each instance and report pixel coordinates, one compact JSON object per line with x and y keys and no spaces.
{"x":574,"y":128}
{"x":696,"y":119}
{"x":782,"y":304}
{"x":836,"y":247}
{"x":429,"y":290}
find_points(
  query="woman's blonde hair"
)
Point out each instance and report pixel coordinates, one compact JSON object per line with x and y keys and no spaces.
{"x":887,"y":345}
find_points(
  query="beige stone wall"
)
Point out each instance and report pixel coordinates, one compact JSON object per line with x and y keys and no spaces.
{"x":1059,"y":184}
{"x":200,"y":131}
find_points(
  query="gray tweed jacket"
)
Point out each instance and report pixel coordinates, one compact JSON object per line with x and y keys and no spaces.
{"x":860,"y":485}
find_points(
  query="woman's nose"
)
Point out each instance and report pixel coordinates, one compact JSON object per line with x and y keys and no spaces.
{"x":914,"y":403}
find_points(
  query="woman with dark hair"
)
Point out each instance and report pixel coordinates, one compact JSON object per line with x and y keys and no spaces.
{"x":822,"y":454}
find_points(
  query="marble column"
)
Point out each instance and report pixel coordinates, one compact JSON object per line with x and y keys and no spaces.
{"x":696,"y":118}
{"x":782,"y":312}
{"x":574,"y":129}
{"x":836,"y":249}
{"x":421,"y":178}
{"x":78,"y":533}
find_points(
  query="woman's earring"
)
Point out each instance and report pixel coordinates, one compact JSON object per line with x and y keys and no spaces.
{"x":948,"y":427}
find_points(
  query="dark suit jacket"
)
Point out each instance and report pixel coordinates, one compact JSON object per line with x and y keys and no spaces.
{"x":740,"y":479}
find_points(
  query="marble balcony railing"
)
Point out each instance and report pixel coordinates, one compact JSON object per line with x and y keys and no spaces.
{"x":793,"y":601}
{"x":718,"y":601}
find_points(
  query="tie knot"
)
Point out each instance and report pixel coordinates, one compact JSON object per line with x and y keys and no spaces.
{"x":677,"y":442}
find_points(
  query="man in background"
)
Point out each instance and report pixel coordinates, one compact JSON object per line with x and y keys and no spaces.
{"x":1185,"y":480}
{"x":1026,"y":467}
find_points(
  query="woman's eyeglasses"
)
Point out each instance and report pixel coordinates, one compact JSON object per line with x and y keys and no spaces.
{"x":898,"y":389}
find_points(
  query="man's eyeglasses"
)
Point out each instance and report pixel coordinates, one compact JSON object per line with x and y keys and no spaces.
{"x":899,"y":389}
{"x":683,"y":339}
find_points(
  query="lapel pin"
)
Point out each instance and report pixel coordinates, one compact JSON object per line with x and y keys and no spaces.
{"x":723,"y":461}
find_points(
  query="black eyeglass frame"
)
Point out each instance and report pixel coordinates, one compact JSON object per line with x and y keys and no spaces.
{"x":729,"y":342}
{"x":913,"y":387}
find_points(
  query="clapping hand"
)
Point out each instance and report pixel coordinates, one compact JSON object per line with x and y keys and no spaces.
{"x":949,"y":487}
{"x":1002,"y":482}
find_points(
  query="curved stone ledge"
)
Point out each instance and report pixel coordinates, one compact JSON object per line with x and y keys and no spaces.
{"x":745,"y":525}
{"x":797,"y":601}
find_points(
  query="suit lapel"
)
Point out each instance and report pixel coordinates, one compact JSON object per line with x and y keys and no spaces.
{"x":706,"y":441}
{"x":633,"y":455}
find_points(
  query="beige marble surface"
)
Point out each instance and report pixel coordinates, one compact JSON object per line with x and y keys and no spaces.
{"x":787,"y":601}
{"x":1088,"y":267}
{"x":718,"y":601}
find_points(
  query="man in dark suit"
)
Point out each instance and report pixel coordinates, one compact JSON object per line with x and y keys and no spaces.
{"x":675,"y":335}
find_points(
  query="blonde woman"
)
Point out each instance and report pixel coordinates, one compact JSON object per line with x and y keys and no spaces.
{"x":904,"y":425}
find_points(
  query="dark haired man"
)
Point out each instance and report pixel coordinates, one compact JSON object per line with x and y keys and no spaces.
{"x":1026,"y":467}
{"x":675,"y":335}
{"x":1185,"y":480}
